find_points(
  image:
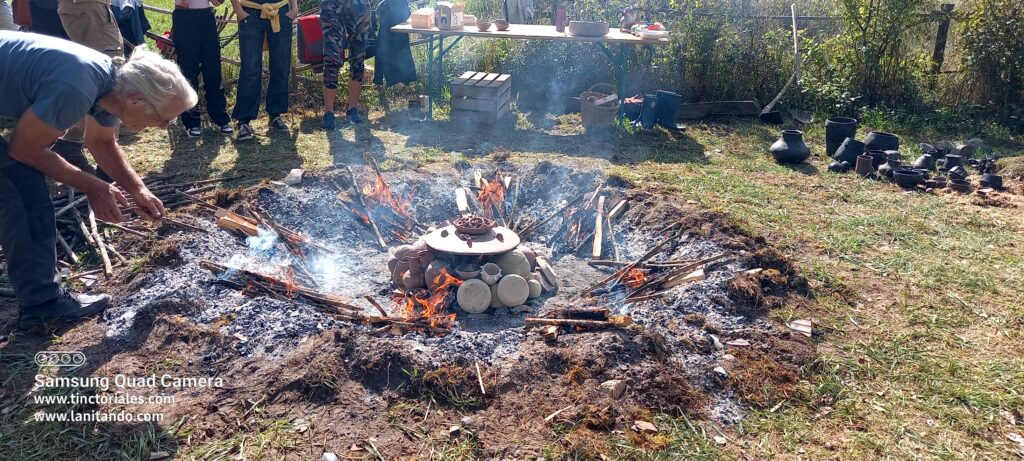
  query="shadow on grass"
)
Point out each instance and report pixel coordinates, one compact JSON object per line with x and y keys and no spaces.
{"x":342,"y":149}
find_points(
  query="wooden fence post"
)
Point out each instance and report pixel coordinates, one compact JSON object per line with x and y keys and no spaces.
{"x":939,"y":54}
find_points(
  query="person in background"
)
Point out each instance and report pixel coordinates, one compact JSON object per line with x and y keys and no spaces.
{"x":197,"y":43}
{"x":259,"y":21}
{"x":7,"y":17}
{"x":59,"y":84}
{"x":91,"y":23}
{"x":45,"y":19}
{"x":346,"y":26}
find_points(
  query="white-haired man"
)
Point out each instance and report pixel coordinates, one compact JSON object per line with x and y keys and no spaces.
{"x":48,"y":85}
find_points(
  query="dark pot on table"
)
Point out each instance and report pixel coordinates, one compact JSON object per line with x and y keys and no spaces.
{"x":849,"y":150}
{"x":991,"y":180}
{"x":880,"y":140}
{"x":837,"y":129}
{"x":790,"y":148}
{"x":865,"y":165}
{"x":907,"y":178}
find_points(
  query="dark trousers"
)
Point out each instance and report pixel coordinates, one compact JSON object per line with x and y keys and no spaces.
{"x":28,"y":231}
{"x":46,"y":22}
{"x":198,"y":48}
{"x":251,"y":34}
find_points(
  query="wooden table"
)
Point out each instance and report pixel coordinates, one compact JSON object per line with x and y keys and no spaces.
{"x":435,"y":41}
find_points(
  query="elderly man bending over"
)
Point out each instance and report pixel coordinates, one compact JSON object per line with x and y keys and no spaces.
{"x":48,"y":85}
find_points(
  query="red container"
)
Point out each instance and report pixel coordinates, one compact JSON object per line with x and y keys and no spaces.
{"x":310,"y":40}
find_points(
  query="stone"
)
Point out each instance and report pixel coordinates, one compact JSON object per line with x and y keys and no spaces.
{"x":971,"y":146}
{"x":644,"y":426}
{"x":738,"y":342}
{"x":716,"y":342}
{"x":294,"y":177}
{"x":473,"y":296}
{"x":513,"y":262}
{"x":522,"y":309}
{"x":535,"y":288}
{"x":513,"y":290}
{"x":328,"y":456}
{"x":721,"y":371}
{"x":454,"y":431}
{"x":614,"y":388}
{"x":948,"y":146}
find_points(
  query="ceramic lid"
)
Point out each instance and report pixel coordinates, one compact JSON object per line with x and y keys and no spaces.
{"x":494,"y":241}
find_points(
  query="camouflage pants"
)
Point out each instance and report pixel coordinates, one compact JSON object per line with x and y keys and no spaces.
{"x":346,"y":25}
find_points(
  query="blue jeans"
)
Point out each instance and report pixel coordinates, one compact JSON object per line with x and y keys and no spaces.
{"x":251,"y":33}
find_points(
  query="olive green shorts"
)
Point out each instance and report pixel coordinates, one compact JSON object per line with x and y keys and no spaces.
{"x":91,"y":23}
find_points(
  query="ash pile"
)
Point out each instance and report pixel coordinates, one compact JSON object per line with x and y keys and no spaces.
{"x":462,"y":266}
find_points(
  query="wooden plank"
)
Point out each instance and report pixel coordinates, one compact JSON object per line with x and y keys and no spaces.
{"x":598,"y":230}
{"x":486,"y":80}
{"x":481,"y":117}
{"x":489,"y":91}
{"x":533,"y":32}
{"x":462,"y":78}
{"x":482,"y":104}
{"x":501,"y":80}
{"x":461,"y":201}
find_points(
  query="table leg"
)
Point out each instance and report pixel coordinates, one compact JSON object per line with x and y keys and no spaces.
{"x":430,"y":76}
{"x":623,"y":73}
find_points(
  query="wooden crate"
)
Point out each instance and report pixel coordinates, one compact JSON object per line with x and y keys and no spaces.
{"x":480,"y":96}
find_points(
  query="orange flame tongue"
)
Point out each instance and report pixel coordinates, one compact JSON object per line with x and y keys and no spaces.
{"x":380,"y":193}
{"x":432,"y":305}
{"x":635,"y":278}
{"x":492,"y":196}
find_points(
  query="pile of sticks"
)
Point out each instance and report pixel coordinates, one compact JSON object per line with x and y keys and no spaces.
{"x":587,"y":223}
{"x":78,"y":228}
{"x":254,"y":283}
{"x":386,"y":223}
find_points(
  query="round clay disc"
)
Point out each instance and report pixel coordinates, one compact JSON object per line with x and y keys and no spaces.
{"x":474,"y":296}
{"x":513,"y":290}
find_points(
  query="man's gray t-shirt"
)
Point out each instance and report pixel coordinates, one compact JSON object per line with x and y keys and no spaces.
{"x":61,"y":81}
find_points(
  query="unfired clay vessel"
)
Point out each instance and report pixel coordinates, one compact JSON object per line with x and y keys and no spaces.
{"x":433,"y":271}
{"x":474,"y":296}
{"x":490,"y":273}
{"x":535,"y":288}
{"x":513,"y":290}
{"x":513,"y":262}
{"x":495,"y":299}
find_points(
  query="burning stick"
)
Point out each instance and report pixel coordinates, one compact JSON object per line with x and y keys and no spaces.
{"x":461,"y":202}
{"x":617,"y":275}
{"x":369,"y":215}
{"x":376,"y":305}
{"x":329,"y":303}
{"x":533,"y":228}
{"x":621,"y":321}
{"x":480,"y":379}
{"x":598,"y":229}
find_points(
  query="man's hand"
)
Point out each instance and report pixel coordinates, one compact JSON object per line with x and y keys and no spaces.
{"x":241,"y":14}
{"x":104,"y":199}
{"x":292,"y":14}
{"x":148,"y":206}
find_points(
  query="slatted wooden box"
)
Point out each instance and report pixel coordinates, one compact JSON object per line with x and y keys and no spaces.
{"x":481,"y":97}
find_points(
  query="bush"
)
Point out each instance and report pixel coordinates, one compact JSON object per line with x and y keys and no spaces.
{"x":993,"y":57}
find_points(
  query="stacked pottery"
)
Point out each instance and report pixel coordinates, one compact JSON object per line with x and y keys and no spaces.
{"x":506,"y":280}
{"x":790,"y":148}
{"x":893,"y":163}
{"x":952,"y":161}
{"x":878,"y":157}
{"x":837,"y":130}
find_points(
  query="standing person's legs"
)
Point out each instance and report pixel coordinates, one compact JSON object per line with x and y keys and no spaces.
{"x":216,"y":104}
{"x":357,"y":23}
{"x":334,"y":48}
{"x":280,"y":44}
{"x":250,"y":50}
{"x":28,"y":232}
{"x":92,"y":24}
{"x":46,"y":21}
{"x":187,"y":43}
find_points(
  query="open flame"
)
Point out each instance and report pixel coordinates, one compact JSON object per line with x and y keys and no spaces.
{"x":432,"y":305}
{"x":492,"y":196}
{"x":635,"y":278}
{"x":380,"y":193}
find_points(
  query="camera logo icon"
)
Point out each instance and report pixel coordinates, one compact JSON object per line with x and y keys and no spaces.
{"x":60,"y":358}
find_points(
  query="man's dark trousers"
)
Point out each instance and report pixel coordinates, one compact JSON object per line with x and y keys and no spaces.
{"x":251,"y":33}
{"x":198,"y":48}
{"x":28,"y":231}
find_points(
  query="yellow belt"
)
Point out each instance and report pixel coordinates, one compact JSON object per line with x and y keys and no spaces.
{"x":268,"y":11}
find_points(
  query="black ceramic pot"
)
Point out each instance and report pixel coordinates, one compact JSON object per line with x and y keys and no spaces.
{"x":953,"y":161}
{"x":880,"y":140}
{"x":790,"y":148}
{"x":960,"y":185}
{"x":865,"y":165}
{"x":849,"y":150}
{"x":886,"y":169}
{"x":957,"y":172}
{"x":926,"y":161}
{"x":907,"y":178}
{"x":839,"y":167}
{"x":837,"y":129}
{"x":991,"y":180}
{"x":925,"y":173}
{"x":877,"y":157}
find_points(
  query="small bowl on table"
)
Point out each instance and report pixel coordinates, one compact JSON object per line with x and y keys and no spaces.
{"x":501,"y":24}
{"x":483,"y":25}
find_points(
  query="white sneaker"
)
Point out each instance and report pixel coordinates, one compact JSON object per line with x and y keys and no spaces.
{"x":195,"y":132}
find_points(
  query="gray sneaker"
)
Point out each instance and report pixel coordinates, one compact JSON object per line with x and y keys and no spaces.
{"x":244,"y":132}
{"x":277,"y":124}
{"x":68,"y":307}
